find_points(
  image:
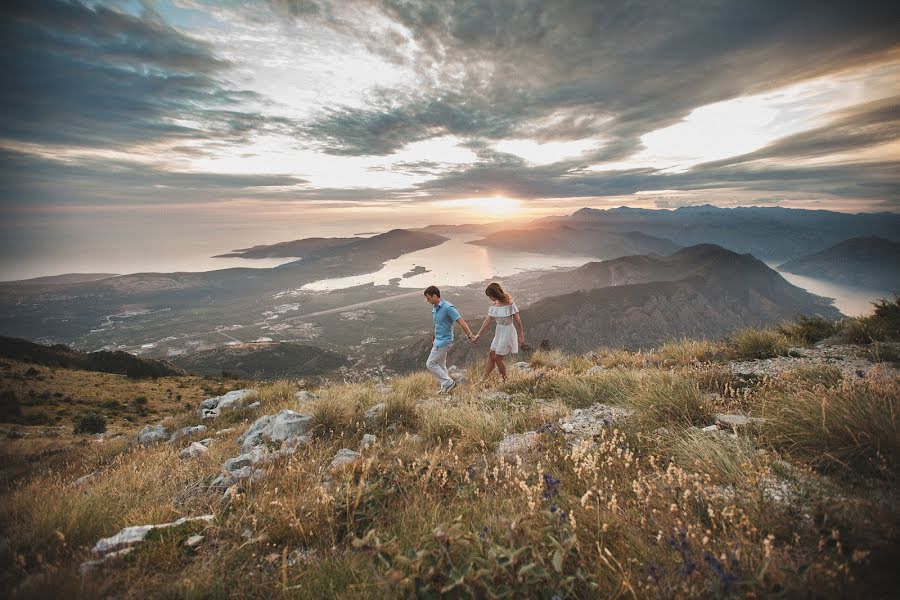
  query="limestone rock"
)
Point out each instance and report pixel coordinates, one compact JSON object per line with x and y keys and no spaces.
{"x":212,"y":407}
{"x":518,"y":443}
{"x":136,"y":533}
{"x":305,"y":396}
{"x":595,"y":370}
{"x":588,"y":422}
{"x":187,"y":432}
{"x":374,"y":416}
{"x":343,"y":456}
{"x":367,"y":440}
{"x":194,"y":541}
{"x":195,"y":450}
{"x":497,"y":396}
{"x":737,"y":421}
{"x":254,"y":435}
{"x":152,"y":434}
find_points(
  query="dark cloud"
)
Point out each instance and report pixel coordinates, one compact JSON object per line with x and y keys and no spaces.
{"x":619,"y":68}
{"x":27,"y":179}
{"x":91,"y":76}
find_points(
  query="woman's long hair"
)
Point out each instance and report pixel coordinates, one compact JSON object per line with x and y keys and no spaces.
{"x":496,"y":292}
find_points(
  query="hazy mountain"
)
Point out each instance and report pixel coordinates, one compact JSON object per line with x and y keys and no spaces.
{"x":564,"y":239}
{"x":105,"y":362}
{"x":64,"y":279}
{"x":866,"y":262}
{"x":271,"y":360}
{"x":769,"y":233}
{"x":292,"y":249}
{"x":724,"y":292}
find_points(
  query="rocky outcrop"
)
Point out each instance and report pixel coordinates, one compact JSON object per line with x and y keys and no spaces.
{"x":213,"y":407}
{"x":187,"y":432}
{"x":588,"y":422}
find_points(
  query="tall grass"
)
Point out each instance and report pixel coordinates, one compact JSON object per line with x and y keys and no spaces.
{"x":851,"y":427}
{"x":750,"y":343}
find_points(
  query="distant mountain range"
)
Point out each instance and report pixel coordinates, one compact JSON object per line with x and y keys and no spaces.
{"x":865,"y":262}
{"x":565,"y":239}
{"x":769,"y":233}
{"x":62,"y":356}
{"x":271,"y":360}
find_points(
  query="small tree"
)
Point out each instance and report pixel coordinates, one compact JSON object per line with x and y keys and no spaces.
{"x":90,"y":423}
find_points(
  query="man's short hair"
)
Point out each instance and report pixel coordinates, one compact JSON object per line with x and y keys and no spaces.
{"x":432,"y":291}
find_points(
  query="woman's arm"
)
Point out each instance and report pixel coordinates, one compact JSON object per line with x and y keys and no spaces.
{"x":517,"y":320}
{"x":485,"y":325}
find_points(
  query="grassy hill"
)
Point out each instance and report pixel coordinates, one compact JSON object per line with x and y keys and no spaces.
{"x":601,"y":474}
{"x":266,"y":360}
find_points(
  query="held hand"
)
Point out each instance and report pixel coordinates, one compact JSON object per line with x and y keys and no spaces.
{"x":522,"y":341}
{"x":474,"y":339}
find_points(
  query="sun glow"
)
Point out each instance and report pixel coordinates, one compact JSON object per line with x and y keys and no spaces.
{"x":494,"y":206}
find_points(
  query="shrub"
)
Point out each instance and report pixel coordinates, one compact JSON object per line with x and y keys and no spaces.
{"x":90,"y":423}
{"x":139,"y":401}
{"x":808,"y":330}
{"x":111,"y":405}
{"x":860,"y":330}
{"x":9,"y":406}
{"x":753,"y":343}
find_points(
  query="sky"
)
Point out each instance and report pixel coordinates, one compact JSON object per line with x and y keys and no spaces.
{"x":147,"y":118}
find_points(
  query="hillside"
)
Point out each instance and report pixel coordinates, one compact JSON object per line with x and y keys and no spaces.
{"x":721,"y":292}
{"x":103,"y":361}
{"x":866,"y":262}
{"x":263,"y":360}
{"x":563,"y":239}
{"x":291,"y":249}
{"x":774,"y":476}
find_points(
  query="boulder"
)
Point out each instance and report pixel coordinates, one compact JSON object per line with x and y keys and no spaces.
{"x":187,"y":432}
{"x":497,"y":396}
{"x":595,"y":370}
{"x":195,"y":450}
{"x":288,"y":425}
{"x":254,"y":435}
{"x":374,"y":416}
{"x":194,"y":541}
{"x":367,"y":440}
{"x":152,"y":434}
{"x":343,"y":456}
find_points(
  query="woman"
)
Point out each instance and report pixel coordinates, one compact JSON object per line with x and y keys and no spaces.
{"x":508,"y":335}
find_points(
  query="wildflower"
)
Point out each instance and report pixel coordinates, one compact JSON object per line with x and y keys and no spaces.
{"x":551,"y":486}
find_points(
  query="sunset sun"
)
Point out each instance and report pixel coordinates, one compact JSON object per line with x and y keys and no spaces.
{"x":489,"y":206}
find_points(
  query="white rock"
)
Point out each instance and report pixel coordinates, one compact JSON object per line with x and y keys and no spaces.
{"x":212,"y":407}
{"x":288,"y":424}
{"x":195,"y":450}
{"x":374,"y":416}
{"x":710,"y":428}
{"x":737,"y":421}
{"x":343,"y":456}
{"x":595,"y":370}
{"x":194,"y":541}
{"x":497,"y":396}
{"x":367,"y":440}
{"x":136,"y":533}
{"x":517,"y":443}
{"x":305,"y":396}
{"x":90,"y":565}
{"x":588,"y":422}
{"x":188,"y":431}
{"x":152,"y":434}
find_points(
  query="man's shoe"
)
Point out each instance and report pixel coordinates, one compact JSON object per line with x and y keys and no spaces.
{"x":449,"y":387}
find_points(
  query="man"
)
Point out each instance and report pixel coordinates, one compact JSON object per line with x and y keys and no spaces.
{"x":444,"y":315}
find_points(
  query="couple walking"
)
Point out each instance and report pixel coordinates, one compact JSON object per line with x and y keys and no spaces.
{"x":507,"y":337}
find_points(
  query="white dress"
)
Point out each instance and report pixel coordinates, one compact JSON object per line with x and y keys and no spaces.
{"x":506,"y":339}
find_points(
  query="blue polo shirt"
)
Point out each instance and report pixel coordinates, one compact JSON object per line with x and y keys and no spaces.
{"x":444,"y":315}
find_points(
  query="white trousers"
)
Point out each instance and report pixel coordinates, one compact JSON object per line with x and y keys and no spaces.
{"x":437,"y":364}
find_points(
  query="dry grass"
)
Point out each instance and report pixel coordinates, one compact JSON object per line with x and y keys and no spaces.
{"x":750,"y":343}
{"x":431,"y":510}
{"x":686,"y":352}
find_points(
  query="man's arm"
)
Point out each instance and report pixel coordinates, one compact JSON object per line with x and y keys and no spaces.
{"x":465,"y":327}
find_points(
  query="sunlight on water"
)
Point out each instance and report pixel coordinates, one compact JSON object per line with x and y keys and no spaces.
{"x":851,"y":301}
{"x":452,"y":263}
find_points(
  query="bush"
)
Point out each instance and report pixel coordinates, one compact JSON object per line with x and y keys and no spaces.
{"x":668,"y":399}
{"x":139,"y":401}
{"x":751,"y":343}
{"x":808,"y":330}
{"x":90,"y":423}
{"x":9,"y":406}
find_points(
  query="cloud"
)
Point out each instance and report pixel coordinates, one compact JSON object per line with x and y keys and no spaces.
{"x":91,"y":76}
